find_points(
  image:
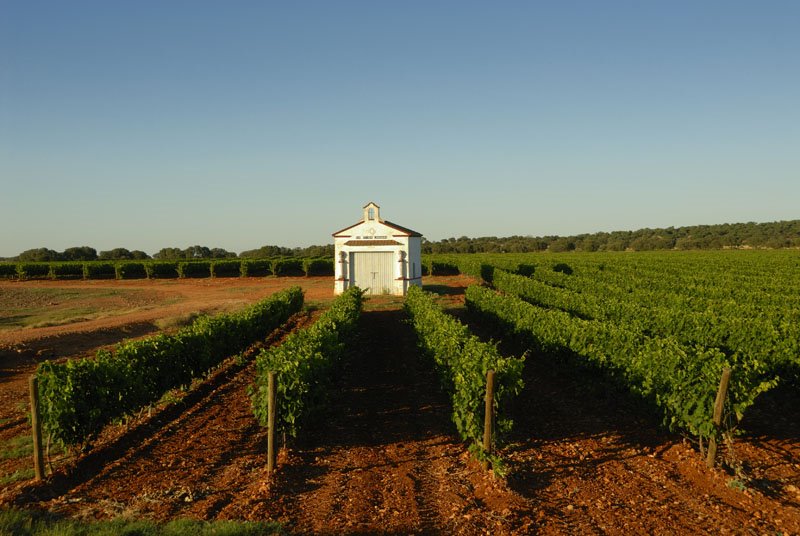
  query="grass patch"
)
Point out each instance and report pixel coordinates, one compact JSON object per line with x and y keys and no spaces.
{"x":383,"y":302}
{"x":16,"y":447}
{"x":42,"y":307}
{"x":25,"y":523}
{"x":16,"y":476}
{"x":176,"y":322}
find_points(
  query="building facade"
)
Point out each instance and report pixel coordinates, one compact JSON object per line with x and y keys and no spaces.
{"x":376,"y":255}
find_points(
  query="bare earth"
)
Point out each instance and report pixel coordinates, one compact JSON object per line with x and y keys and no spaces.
{"x":584,"y":458}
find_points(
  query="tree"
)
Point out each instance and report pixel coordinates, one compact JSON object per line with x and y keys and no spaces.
{"x":562,"y":244}
{"x":39,"y":255}
{"x":82,"y":253}
{"x":115,"y":254}
{"x":219,"y":253}
{"x":197,"y":252}
{"x":169,"y":254}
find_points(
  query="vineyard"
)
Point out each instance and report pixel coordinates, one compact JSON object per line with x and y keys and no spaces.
{"x":664,"y":325}
{"x":606,"y":368}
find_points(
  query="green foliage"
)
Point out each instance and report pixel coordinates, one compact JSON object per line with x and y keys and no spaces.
{"x":303,"y":365}
{"x":81,"y":396}
{"x":193,"y":253}
{"x":256,"y":268}
{"x":269,"y":252}
{"x":226,"y":268}
{"x":37,"y":523}
{"x":67,"y":270}
{"x":99,"y":270}
{"x":33,"y":270}
{"x":16,"y":447}
{"x":286,"y":267}
{"x":442,"y":268}
{"x":463,"y":361}
{"x":81,"y":253}
{"x":780,"y":234}
{"x":131,"y":270}
{"x":162,"y":270}
{"x":194,"y":269}
{"x":8,"y":270}
{"x":39,"y":255}
{"x":16,"y":476}
{"x":680,"y":380}
{"x":165,"y":254}
{"x":266,"y":252}
{"x":318,"y":267}
{"x":121,"y":254}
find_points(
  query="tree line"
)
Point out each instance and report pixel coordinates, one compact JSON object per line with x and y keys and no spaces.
{"x":773,"y":235}
{"x":86,"y":253}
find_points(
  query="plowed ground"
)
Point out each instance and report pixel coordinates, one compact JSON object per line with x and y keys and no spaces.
{"x":584,"y":457}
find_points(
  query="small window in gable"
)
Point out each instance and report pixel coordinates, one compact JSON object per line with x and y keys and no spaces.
{"x":371,"y":213}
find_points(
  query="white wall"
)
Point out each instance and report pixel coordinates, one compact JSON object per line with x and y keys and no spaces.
{"x":374,"y":230}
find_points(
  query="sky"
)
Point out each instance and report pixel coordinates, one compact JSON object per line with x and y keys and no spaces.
{"x":150,"y":124}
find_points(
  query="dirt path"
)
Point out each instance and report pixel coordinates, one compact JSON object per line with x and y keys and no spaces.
{"x":199,"y":458}
{"x":386,"y":460}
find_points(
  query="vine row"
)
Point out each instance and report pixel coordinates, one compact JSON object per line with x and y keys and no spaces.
{"x":79,"y":397}
{"x":462,"y":361}
{"x":303,"y":365}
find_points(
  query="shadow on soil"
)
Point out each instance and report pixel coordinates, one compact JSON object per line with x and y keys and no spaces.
{"x":775,"y":414}
{"x":444,"y":290}
{"x":68,"y":344}
{"x":387,"y":394}
{"x":91,"y":463}
{"x":563,"y":401}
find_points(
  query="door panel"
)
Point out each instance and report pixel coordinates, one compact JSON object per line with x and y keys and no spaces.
{"x":372,"y":271}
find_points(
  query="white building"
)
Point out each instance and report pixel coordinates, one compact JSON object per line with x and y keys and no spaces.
{"x":377,"y":256}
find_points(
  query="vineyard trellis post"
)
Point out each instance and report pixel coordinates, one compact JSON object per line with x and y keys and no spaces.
{"x":36,"y":425}
{"x":719,"y":403}
{"x":271,"y":422}
{"x":488,"y":421}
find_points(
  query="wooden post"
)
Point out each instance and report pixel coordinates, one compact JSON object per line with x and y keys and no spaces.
{"x":271,"y":422}
{"x":719,"y":403}
{"x":36,"y":424}
{"x":488,"y":420}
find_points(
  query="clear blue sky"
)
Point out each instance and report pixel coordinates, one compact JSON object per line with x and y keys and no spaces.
{"x":149,"y":124}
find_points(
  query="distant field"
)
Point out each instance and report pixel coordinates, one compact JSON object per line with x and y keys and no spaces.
{"x":22,"y":307}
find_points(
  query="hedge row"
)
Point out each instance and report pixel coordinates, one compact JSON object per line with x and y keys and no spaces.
{"x":462,"y":361}
{"x":167,"y":269}
{"x":303,"y":365}
{"x":79,"y":397}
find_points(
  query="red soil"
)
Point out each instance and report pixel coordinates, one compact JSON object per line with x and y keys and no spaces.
{"x":584,"y":457}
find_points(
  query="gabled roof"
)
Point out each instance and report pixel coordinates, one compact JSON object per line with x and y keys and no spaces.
{"x":405,"y":231}
{"x":347,"y":228}
{"x":402,"y":229}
